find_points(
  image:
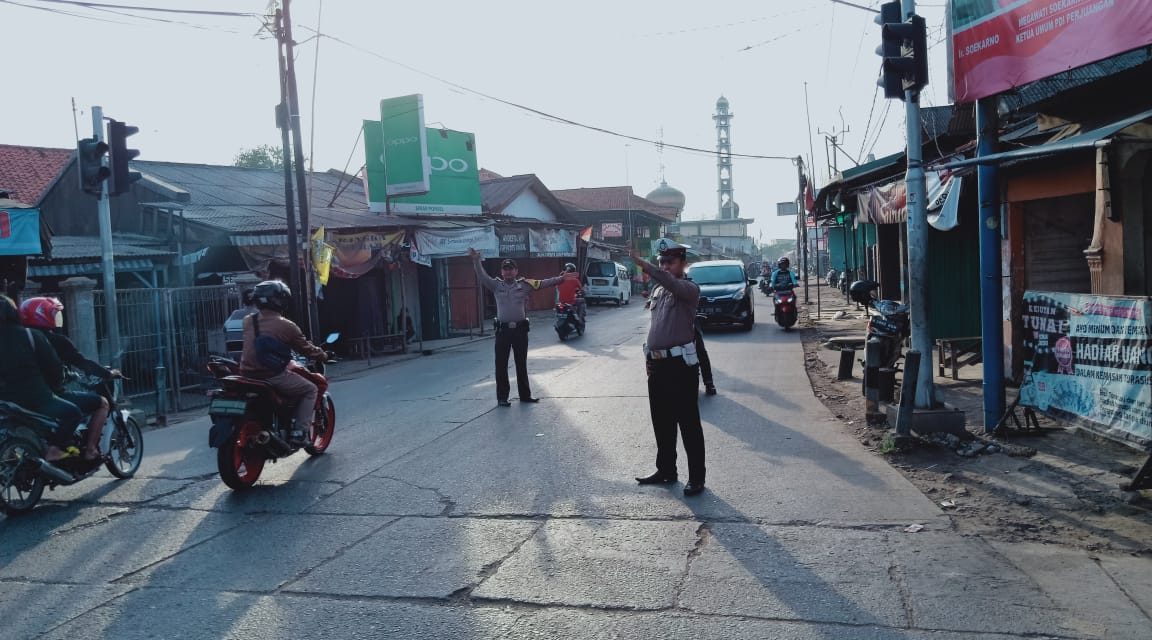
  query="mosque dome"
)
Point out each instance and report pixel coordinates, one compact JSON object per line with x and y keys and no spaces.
{"x":667,"y":196}
{"x":722,"y":103}
{"x":732,"y":209}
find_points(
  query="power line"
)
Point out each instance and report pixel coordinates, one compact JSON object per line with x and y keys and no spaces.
{"x":199,"y":12}
{"x":65,"y":13}
{"x":726,"y":25}
{"x":538,"y":112}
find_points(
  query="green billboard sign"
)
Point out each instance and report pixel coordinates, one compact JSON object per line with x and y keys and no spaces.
{"x":454,"y":179}
{"x":407,"y":166}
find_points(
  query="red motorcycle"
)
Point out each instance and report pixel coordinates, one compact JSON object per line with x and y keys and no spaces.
{"x":785,"y":302}
{"x":251,"y":423}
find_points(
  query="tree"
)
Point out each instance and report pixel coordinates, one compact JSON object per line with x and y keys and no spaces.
{"x":265,"y":156}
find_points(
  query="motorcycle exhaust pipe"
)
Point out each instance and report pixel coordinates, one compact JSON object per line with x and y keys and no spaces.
{"x":52,"y":471}
{"x":274,"y":444}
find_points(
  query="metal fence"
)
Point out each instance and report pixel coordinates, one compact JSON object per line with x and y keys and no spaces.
{"x":166,"y":336}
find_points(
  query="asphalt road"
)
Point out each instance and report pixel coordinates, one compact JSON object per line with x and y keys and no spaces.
{"x":436,"y":514}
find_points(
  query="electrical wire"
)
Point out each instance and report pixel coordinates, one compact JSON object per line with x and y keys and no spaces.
{"x":65,"y":13}
{"x":534,"y":111}
{"x":340,"y":184}
{"x":871,"y":112}
{"x":199,"y":12}
{"x":880,"y":129}
{"x":726,"y":25}
{"x":312,"y":115}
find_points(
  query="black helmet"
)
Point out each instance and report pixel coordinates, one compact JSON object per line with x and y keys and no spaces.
{"x":861,"y":290}
{"x":570,"y":268}
{"x":784,"y":262}
{"x":272,"y":294}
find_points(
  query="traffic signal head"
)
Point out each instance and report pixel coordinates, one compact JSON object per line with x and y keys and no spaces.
{"x":119,"y":157}
{"x":904,"y":48}
{"x":90,"y":156}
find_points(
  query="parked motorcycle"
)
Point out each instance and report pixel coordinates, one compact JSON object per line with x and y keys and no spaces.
{"x":784,"y":299}
{"x":890,"y":328}
{"x":24,"y":473}
{"x":251,"y":423}
{"x":568,"y":321}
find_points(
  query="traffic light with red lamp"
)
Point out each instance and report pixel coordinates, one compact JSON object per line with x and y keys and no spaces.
{"x":119,"y":156}
{"x":904,"y":48}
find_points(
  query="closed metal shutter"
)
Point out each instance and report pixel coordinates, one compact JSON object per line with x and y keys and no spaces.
{"x":1057,"y":231}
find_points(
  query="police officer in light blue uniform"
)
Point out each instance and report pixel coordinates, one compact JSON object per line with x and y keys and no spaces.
{"x":673,"y":366}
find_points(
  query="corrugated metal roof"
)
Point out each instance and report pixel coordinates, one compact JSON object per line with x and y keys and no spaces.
{"x":82,"y":247}
{"x":86,"y":268}
{"x":500,"y":192}
{"x":217,"y":185}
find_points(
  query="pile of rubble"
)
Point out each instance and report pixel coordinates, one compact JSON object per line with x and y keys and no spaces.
{"x":973,"y":445}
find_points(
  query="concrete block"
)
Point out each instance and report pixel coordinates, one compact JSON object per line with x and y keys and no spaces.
{"x":945,"y":420}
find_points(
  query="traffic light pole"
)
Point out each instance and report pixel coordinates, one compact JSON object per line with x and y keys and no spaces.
{"x":107,"y":259}
{"x":917,"y":237}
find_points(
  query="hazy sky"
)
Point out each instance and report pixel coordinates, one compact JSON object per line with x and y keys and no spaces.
{"x":634,"y":66}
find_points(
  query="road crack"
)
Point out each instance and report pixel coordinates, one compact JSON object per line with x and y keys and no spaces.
{"x":703,"y":535}
{"x":464,"y":594}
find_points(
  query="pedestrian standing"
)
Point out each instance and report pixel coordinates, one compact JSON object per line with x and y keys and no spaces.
{"x":673,"y":366}
{"x":511,"y":293}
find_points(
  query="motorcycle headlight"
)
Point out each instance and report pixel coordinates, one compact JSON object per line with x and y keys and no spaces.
{"x":739,"y":295}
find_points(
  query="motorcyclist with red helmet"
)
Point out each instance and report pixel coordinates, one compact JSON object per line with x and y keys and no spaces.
{"x":31,"y":371}
{"x":46,"y":315}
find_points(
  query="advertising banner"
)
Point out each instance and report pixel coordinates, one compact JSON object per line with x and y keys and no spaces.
{"x":408,"y":166}
{"x":355,"y":254}
{"x":20,"y":232}
{"x":454,"y":182}
{"x":1088,"y":359}
{"x":886,"y":204}
{"x":612,"y":230}
{"x":447,"y":243}
{"x":552,"y":243}
{"x":513,"y":243}
{"x":1000,"y":44}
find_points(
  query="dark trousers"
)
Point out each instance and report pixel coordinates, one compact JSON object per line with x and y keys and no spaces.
{"x":702,"y":354}
{"x":515,"y":341}
{"x":67,"y":415}
{"x":673,"y":388}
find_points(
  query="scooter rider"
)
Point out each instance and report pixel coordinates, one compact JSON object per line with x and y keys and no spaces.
{"x":46,"y":315}
{"x":782,"y":277}
{"x":30,"y":370}
{"x":268,"y":336}
{"x":568,"y":292}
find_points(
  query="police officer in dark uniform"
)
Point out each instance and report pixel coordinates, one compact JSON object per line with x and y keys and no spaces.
{"x":673,"y":366}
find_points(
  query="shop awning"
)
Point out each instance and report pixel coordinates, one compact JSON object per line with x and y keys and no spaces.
{"x":868,"y":173}
{"x":1087,"y":140}
{"x":87,"y":268}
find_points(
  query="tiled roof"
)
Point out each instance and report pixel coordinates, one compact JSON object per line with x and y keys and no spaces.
{"x":486,"y":175}
{"x":611,"y":199}
{"x":27,"y":173}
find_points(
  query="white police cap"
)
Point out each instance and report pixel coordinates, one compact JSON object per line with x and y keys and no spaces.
{"x":667,"y":246}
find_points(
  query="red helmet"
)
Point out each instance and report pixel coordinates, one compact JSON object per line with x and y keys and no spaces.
{"x":42,"y":313}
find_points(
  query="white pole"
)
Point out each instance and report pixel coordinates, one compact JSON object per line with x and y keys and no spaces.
{"x":107,"y":261}
{"x":917,"y":239}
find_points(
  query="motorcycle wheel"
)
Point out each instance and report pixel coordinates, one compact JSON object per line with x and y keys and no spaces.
{"x":20,"y":487}
{"x":239,"y":465}
{"x":325,"y":426}
{"x":125,"y":449}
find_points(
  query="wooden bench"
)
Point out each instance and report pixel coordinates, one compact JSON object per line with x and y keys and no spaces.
{"x":953,"y":353}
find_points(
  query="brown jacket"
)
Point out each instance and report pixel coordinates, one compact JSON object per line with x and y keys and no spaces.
{"x":275,"y":325}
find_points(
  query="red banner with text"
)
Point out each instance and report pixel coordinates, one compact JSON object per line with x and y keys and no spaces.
{"x":1000,"y":44}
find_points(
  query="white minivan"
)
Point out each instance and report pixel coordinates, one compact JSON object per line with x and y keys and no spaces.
{"x":607,"y":282}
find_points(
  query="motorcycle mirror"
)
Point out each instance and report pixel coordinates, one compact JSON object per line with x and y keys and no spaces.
{"x":332,"y":337}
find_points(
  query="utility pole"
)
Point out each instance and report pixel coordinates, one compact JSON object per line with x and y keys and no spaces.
{"x":308,"y":318}
{"x":802,"y":221}
{"x":107,"y":258}
{"x":282,"y":122}
{"x":917,"y":236}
